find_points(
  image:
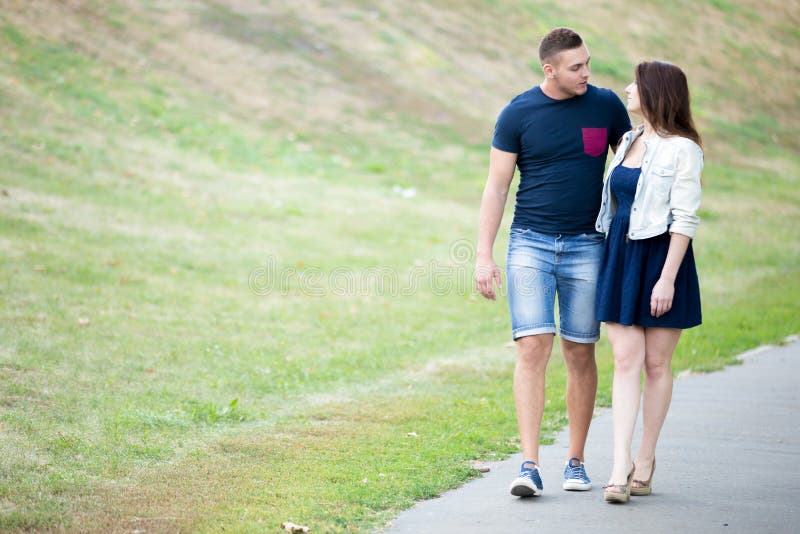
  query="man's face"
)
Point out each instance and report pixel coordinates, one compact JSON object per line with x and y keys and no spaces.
{"x":570,"y":70}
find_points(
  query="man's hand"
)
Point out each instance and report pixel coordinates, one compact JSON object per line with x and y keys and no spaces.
{"x":501,"y":172}
{"x":486,"y":274}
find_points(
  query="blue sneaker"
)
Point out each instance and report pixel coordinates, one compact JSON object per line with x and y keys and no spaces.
{"x":529,"y":481}
{"x":575,"y":477}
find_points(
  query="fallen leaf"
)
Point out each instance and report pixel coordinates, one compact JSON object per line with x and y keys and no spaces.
{"x":686,"y":373}
{"x":291,"y":527}
{"x":480,"y":467}
{"x":83,"y":321}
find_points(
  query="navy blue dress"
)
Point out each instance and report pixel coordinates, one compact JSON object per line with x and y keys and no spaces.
{"x":630,"y":269}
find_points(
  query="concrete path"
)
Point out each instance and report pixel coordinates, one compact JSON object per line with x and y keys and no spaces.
{"x":728,"y":462}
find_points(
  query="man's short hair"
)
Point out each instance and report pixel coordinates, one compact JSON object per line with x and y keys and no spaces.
{"x":556,"y":41}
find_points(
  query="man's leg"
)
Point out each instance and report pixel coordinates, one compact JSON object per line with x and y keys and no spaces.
{"x":531,"y":296}
{"x":533,"y":353}
{"x":576,"y":282}
{"x":581,"y":392}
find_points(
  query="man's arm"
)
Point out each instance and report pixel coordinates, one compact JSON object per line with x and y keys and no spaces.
{"x":620,"y":124}
{"x":501,"y":172}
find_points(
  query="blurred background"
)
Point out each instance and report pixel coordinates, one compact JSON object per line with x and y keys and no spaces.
{"x":236,"y":243}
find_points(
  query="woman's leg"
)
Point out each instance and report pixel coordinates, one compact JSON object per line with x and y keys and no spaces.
{"x":660,"y":344}
{"x":628,"y":345}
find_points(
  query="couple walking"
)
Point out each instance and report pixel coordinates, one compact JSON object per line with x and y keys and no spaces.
{"x":616,"y":250}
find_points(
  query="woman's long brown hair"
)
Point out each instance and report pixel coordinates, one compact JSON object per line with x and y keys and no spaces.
{"x":664,"y":97}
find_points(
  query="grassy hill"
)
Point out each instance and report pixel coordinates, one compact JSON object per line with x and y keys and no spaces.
{"x":235,"y":244}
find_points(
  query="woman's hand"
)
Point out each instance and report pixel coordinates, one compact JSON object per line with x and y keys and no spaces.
{"x":661,"y":298}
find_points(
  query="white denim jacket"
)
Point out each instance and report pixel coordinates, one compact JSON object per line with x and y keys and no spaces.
{"x":668,"y":190}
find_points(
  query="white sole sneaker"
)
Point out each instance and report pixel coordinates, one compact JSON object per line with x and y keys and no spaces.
{"x":524,"y":487}
{"x":574,"y":484}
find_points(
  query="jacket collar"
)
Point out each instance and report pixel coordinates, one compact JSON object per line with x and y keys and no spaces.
{"x":639,"y":130}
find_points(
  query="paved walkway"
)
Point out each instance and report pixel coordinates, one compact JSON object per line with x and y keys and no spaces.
{"x":728,"y":462}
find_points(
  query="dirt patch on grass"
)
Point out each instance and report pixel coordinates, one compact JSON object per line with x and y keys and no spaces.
{"x":43,"y":209}
{"x":321,"y":67}
{"x":187,"y":494}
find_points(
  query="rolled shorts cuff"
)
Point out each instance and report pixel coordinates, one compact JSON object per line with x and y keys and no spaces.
{"x":580,"y":338}
{"x":533,"y":330}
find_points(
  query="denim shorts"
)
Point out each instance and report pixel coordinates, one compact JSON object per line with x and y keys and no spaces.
{"x":541,"y":266}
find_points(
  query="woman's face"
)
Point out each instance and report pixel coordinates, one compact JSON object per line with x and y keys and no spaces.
{"x":634,"y":105}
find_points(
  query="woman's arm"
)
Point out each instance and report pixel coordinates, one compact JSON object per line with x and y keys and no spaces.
{"x":684,"y":202}
{"x":684,"y":196}
{"x":664,"y":290}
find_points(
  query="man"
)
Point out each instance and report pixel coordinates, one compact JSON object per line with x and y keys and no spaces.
{"x":558,"y":134}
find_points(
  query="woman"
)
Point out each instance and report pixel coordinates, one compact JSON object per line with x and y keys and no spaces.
{"x":648,"y":291}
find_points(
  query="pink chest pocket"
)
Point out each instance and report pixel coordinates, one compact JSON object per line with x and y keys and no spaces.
{"x":595,"y":141}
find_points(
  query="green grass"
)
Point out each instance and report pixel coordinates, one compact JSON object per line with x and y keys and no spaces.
{"x":146,"y":382}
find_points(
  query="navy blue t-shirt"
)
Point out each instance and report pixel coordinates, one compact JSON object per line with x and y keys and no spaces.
{"x":561,"y":148}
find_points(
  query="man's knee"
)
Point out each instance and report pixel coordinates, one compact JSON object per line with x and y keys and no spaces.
{"x":577,"y":353}
{"x":534,"y":351}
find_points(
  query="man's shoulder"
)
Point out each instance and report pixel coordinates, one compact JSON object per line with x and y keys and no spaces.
{"x":531,"y":96}
{"x":601,"y":93}
{"x":521,"y":106}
